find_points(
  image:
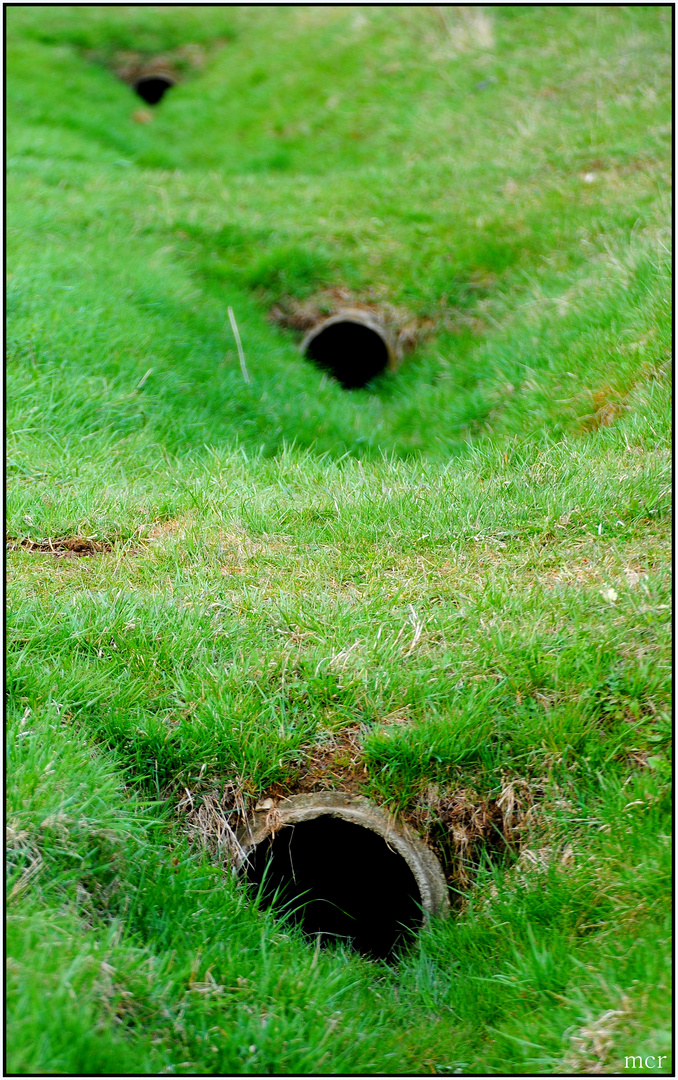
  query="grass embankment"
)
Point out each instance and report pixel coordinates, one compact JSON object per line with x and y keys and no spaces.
{"x":451,"y":586}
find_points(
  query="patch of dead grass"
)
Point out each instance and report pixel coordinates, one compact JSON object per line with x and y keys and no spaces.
{"x":303,"y":315}
{"x":21,"y":852}
{"x":62,"y":547}
{"x":592,"y":1046}
{"x":460,"y":825}
{"x":212,"y":818}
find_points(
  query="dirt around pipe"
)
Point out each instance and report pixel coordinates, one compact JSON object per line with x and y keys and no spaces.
{"x":149,"y":77}
{"x":344,"y":869}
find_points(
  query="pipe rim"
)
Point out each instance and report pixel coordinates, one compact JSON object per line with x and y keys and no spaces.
{"x":149,"y":76}
{"x":357,"y":810}
{"x":360,"y":318}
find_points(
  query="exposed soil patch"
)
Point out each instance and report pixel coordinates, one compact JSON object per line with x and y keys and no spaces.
{"x":173,"y":527}
{"x":409,"y":329}
{"x":129,"y":65}
{"x":62,"y":547}
{"x":335,"y":764}
{"x":303,"y":315}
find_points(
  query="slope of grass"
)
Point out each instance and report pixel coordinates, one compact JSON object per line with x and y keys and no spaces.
{"x":464,"y":566}
{"x":532,"y":268}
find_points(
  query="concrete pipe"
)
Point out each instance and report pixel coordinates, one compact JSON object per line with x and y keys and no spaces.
{"x":152,"y":86}
{"x":354,"y":346}
{"x":149,"y":76}
{"x":343,"y":869}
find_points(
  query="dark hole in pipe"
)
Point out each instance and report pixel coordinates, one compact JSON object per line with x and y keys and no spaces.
{"x":342,"y":882}
{"x":152,"y":88}
{"x":354,"y":354}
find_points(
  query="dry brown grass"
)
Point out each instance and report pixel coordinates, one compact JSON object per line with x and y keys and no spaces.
{"x":21,"y":852}
{"x":62,"y":546}
{"x":212,"y":818}
{"x":592,"y":1046}
{"x":460,"y":825}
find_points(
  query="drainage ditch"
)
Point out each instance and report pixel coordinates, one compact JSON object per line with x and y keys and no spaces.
{"x":342,"y":869}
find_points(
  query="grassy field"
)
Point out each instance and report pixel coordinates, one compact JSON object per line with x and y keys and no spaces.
{"x":449,"y":590}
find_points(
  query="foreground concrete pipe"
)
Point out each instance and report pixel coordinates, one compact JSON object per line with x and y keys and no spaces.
{"x":354,"y":345}
{"x":270,"y":818}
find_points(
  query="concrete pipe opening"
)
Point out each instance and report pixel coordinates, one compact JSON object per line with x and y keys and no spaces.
{"x":344,"y":872}
{"x":353,"y":346}
{"x":152,"y":88}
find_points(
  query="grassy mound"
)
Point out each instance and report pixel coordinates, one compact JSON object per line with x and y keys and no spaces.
{"x":448,"y":591}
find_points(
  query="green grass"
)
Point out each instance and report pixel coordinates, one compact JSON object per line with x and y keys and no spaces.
{"x":466,"y":563}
